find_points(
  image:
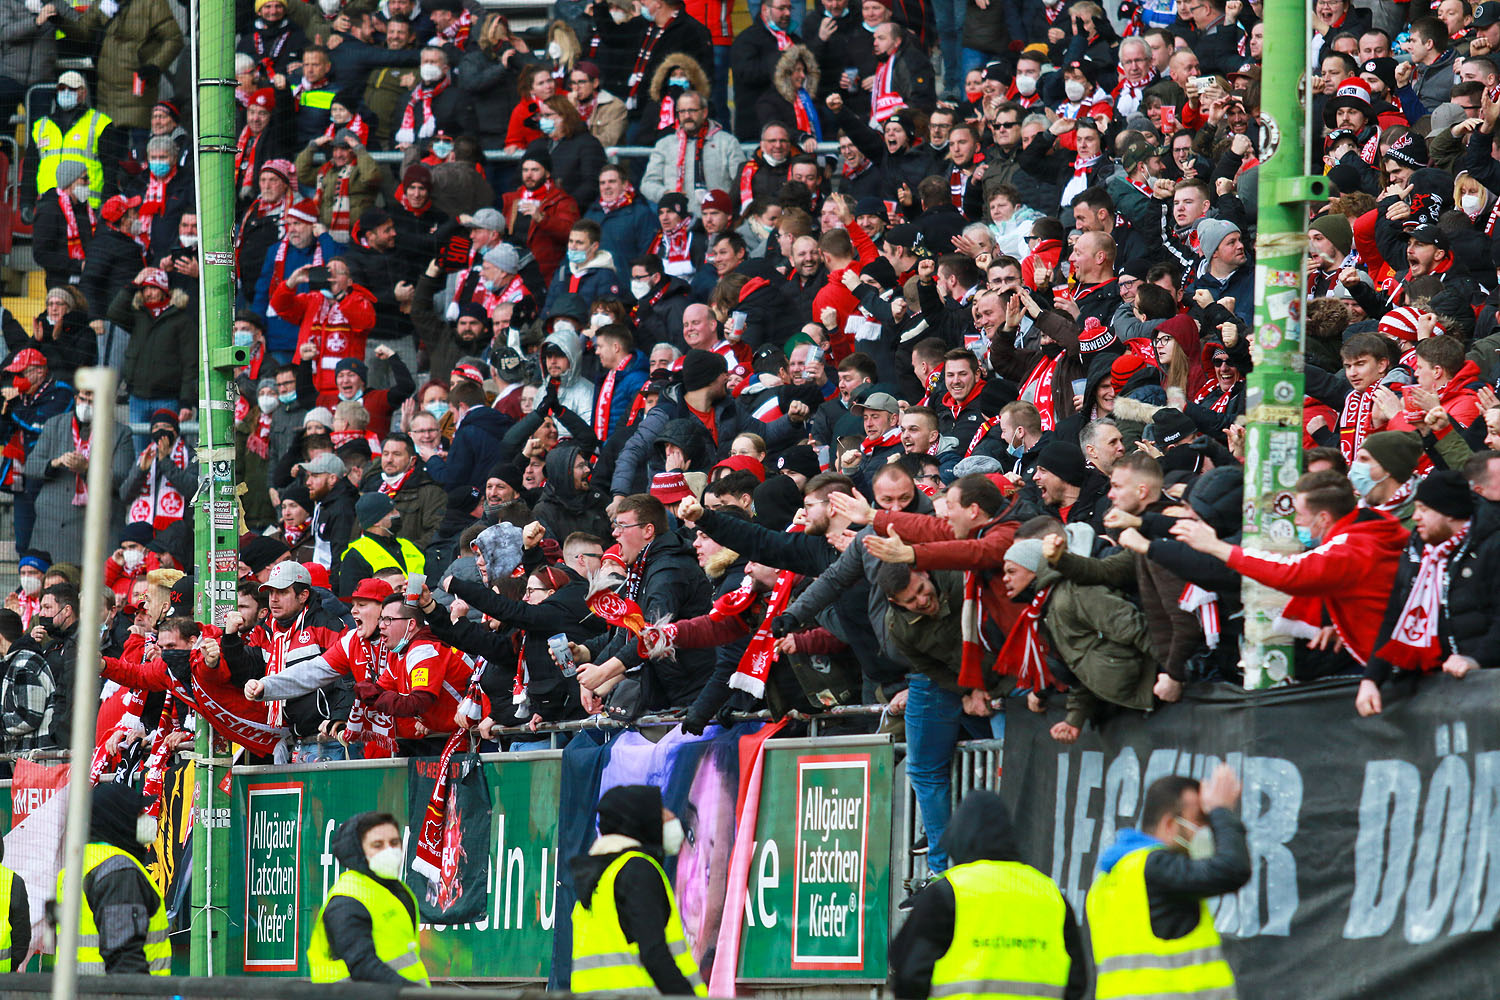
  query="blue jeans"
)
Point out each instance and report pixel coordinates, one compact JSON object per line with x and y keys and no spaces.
{"x":317,"y":751}
{"x":140,"y":413}
{"x":949,"y":15}
{"x":720,"y":91}
{"x":935,"y":720}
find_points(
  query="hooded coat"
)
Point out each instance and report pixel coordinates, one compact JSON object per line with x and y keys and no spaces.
{"x":563,"y":508}
{"x":980,"y":829}
{"x":573,"y":391}
{"x":119,"y":894}
{"x":778,"y":103}
{"x":630,"y":820}
{"x":347,"y":921}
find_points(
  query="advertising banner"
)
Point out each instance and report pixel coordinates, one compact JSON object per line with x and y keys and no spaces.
{"x":1374,"y":843}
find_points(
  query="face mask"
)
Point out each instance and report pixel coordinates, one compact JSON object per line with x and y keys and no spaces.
{"x":133,"y":559}
{"x":81,"y":193}
{"x":188,"y":242}
{"x":601,"y":319}
{"x":1074,"y":90}
{"x":146,"y":829}
{"x":564,"y":327}
{"x":577,"y":257}
{"x":678,"y":82}
{"x":244,"y":338}
{"x":67,"y":100}
{"x":442,"y":150}
{"x":617,"y":15}
{"x":1361,"y":479}
{"x":268,"y":402}
{"x":640,"y":289}
{"x":395,"y":524}
{"x":1304,"y":536}
{"x":1025,"y":84}
{"x":400,"y":647}
{"x":45,"y":621}
{"x":84,"y":411}
{"x":387,"y":863}
{"x":672,"y":836}
{"x":554,"y":50}
{"x":546,"y":125}
{"x":869,"y":27}
{"x":31,"y":585}
{"x":1200,"y":844}
{"x":438,"y":409}
{"x":431,"y":73}
{"x":1471,"y":203}
{"x":350,"y":396}
{"x":329,"y":7}
{"x":287,"y":397}
{"x":160,"y":169}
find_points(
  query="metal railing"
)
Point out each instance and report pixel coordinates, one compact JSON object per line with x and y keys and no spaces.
{"x":613,"y":152}
{"x":976,"y":764}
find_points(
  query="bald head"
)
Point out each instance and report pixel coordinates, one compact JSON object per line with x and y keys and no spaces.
{"x":1093,"y":257}
{"x":698,"y":327}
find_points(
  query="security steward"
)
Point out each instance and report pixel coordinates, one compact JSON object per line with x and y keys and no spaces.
{"x":627,"y":936}
{"x":991,"y":927}
{"x":367,"y":928}
{"x":15,"y":919}
{"x":123,"y":921}
{"x":377,"y":546}
{"x":1148,"y":921}
{"x":72,"y":131}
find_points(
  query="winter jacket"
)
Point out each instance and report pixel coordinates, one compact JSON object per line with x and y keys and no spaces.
{"x":597,"y":278}
{"x":50,"y":232}
{"x":112,"y":263}
{"x":1459,"y":398}
{"x":1176,"y":884}
{"x":625,"y":233}
{"x":55,"y":510}
{"x":281,"y":335}
{"x":1352,"y":570}
{"x":659,"y":316}
{"x":1434,"y":84}
{"x":715,"y":167}
{"x":334,"y":525}
{"x":346,"y":920}
{"x":421,"y":501}
{"x":933,"y":644}
{"x":28,"y":51}
{"x":545,"y":234}
{"x":576,"y":162}
{"x":161,"y":359}
{"x":365,"y":179}
{"x":573,"y":390}
{"x":378,"y":272}
{"x":338,"y":333}
{"x":491,"y":85}
{"x":622,"y":397}
{"x":136,"y":47}
{"x":562,"y":508}
{"x":475,"y":448}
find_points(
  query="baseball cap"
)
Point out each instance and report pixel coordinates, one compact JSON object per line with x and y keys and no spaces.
{"x":882,"y":401}
{"x":487,"y":218}
{"x":325,"y":464}
{"x":287,"y":574}
{"x":1428,"y":233}
{"x":719,"y":200}
{"x":25,"y":358}
{"x":74,"y":80}
{"x":1487,"y":14}
{"x":114,"y":210}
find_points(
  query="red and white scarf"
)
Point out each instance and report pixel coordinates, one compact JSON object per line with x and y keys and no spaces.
{"x":607,"y":397}
{"x":375,"y":729}
{"x":1038,"y":389}
{"x":391,"y":487}
{"x":1205,"y":604}
{"x":160,"y":504}
{"x":755,"y":665}
{"x":1024,"y":655}
{"x":279,"y":645}
{"x":154,"y":201}
{"x":682,"y":148}
{"x":889,"y":438}
{"x":70,"y":219}
{"x":675,"y":248}
{"x":457,"y":32}
{"x":884,"y":101}
{"x":1080,"y":178}
{"x":625,"y":200}
{"x":357,"y":125}
{"x":423,"y":95}
{"x":80,"y":484}
{"x":1415,"y":643}
{"x":489,"y":301}
{"x":428,"y":859}
{"x":278,"y":266}
{"x":643,"y":59}
{"x":783,"y":40}
{"x":339,"y":223}
{"x":1356,"y":421}
{"x":259,"y":440}
{"x":958,"y":183}
{"x":244,"y":160}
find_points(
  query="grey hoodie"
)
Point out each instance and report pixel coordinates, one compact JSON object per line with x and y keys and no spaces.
{"x":574,"y":391}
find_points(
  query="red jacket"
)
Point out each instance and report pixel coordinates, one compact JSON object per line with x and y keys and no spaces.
{"x":1459,"y":398}
{"x":116,"y":577}
{"x":1349,"y":577}
{"x":835,"y":296}
{"x":547,"y":234}
{"x":423,"y":683}
{"x":338,"y":329}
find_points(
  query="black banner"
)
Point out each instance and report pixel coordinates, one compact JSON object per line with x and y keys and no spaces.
{"x":461,"y":892}
{"x":1374,"y":843}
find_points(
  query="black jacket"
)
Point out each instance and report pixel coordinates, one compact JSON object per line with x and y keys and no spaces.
{"x":347,"y":921}
{"x":576,"y":162}
{"x":1176,"y":883}
{"x":120,"y":895}
{"x":61,"y":654}
{"x":380,"y":273}
{"x":113,"y":261}
{"x":49,"y":234}
{"x":979,"y":830}
{"x":562,"y":508}
{"x":660,"y":322}
{"x":336,"y":524}
{"x":753,"y":58}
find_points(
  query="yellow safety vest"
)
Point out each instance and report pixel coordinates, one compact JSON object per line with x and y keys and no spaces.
{"x":603,"y":960}
{"x":391,"y":926}
{"x":1131,"y":961}
{"x":376,"y":555}
{"x":103,"y":859}
{"x":1008,"y":921}
{"x":7,"y":883}
{"x":319,"y":99}
{"x":80,"y":143}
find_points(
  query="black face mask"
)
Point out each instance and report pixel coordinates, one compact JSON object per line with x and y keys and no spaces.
{"x":395,"y":524}
{"x":47,"y":622}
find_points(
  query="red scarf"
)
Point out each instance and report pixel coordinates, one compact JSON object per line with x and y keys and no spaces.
{"x":958,"y":183}
{"x":1025,"y":101}
{"x":956,"y":406}
{"x":81,"y":445}
{"x":391,"y":489}
{"x":244,"y":159}
{"x":755,"y":665}
{"x":422,"y":95}
{"x":488,"y":300}
{"x":1039,"y":382}
{"x":890,"y":437}
{"x":626,"y":199}
{"x":989,"y":424}
{"x":747,"y":180}
{"x":666,"y":113}
{"x":357,"y":125}
{"x":884,"y":101}
{"x":75,"y":234}
{"x":1357,"y":421}
{"x":1024,"y":655}
{"x":259,"y":441}
{"x":428,"y":858}
{"x":643,"y":58}
{"x":674,"y":247}
{"x":1415,"y":643}
{"x":339,"y":221}
{"x":278,"y":646}
{"x":1205,"y":604}
{"x":160,"y":504}
{"x":375,"y":729}
{"x":783,"y":40}
{"x":154,"y":201}
{"x":607,"y":397}
{"x":278,"y":265}
{"x":457,"y":32}
{"x":682,"y":148}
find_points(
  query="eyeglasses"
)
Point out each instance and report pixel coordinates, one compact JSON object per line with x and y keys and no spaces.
{"x":931,"y":477}
{"x":538,"y":590}
{"x":385,"y":620}
{"x":580,"y":81}
{"x":1222,"y":364}
{"x":1006,"y":124}
{"x":813,"y":503}
{"x":622,"y":526}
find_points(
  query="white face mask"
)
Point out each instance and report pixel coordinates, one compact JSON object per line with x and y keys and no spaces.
{"x":85,"y":412}
{"x":617,"y":15}
{"x":1471,"y":203}
{"x":329,"y":7}
{"x":146,"y":829}
{"x":672,"y":836}
{"x":554,"y":50}
{"x":188,"y":242}
{"x":1074,"y":90}
{"x":601,"y":319}
{"x":1199,"y":846}
{"x":268,"y":403}
{"x":431,"y":73}
{"x":31,"y":585}
{"x":133,"y":559}
{"x":387,"y":863}
{"x":640,"y":289}
{"x":563,"y":326}
{"x":1025,"y":84}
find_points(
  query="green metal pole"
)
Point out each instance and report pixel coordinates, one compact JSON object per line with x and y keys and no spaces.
{"x":1273,"y":438}
{"x":215,"y":510}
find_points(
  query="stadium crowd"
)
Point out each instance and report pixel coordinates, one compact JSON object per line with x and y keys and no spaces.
{"x":951,"y":415}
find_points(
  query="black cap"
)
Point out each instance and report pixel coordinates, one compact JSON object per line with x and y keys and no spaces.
{"x":1171,"y":426}
{"x":1429,"y":233}
{"x":1382,"y":68}
{"x":1487,"y":14}
{"x":1447,"y":492}
{"x":260,"y":551}
{"x":906,"y":236}
{"x":674,"y":200}
{"x":872,"y":206}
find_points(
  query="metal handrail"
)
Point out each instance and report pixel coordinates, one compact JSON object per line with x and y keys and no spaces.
{"x":613,"y":152}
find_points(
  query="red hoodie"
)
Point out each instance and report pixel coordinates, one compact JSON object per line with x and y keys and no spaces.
{"x":1459,"y":397}
{"x":1349,"y":577}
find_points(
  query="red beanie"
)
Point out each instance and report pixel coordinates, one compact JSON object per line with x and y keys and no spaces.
{"x":1123,"y":367}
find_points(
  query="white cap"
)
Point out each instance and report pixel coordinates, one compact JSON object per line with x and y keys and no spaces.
{"x":287,"y":574}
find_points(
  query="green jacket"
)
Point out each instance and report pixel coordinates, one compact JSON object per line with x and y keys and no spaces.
{"x":1103,"y":640}
{"x":161,"y":359}
{"x":933,"y":643}
{"x":143,"y":38}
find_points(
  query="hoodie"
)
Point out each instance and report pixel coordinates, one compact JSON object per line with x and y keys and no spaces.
{"x":347,"y":921}
{"x":980,"y":830}
{"x":573,"y":390}
{"x":119,"y":893}
{"x":563,"y":508}
{"x":595,"y":278}
{"x":630,"y":820}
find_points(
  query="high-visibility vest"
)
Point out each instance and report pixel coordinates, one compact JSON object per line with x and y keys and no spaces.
{"x":100,"y":860}
{"x":318,"y":98}
{"x":376,"y":555}
{"x":1131,"y":961}
{"x":7,"y":932}
{"x":603,"y":960}
{"x":1008,"y":921}
{"x":392,"y":929}
{"x":80,"y":143}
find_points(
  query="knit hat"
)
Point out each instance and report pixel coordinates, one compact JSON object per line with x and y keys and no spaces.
{"x":1063,"y":459}
{"x":281,"y":167}
{"x":800,"y":459}
{"x":1383,"y":69}
{"x":1398,"y":452}
{"x":1215,"y":497}
{"x":504,"y":257}
{"x":1121,"y":369}
{"x":138,"y":531}
{"x":1211,"y":233}
{"x":1447,"y":492}
{"x":417,"y":173}
{"x":872,"y":206}
{"x":1334,"y":226}
{"x":68,"y":172}
{"x":674,"y":201}
{"x":499,"y":546}
{"x":463,"y":497}
{"x":538,"y":157}
{"x":1401,"y":324}
{"x":260,"y":551}
{"x":508,"y":473}
{"x":670,"y":487}
{"x":319,"y":415}
{"x":1095,"y":337}
{"x":700,"y":368}
{"x":297,"y":493}
{"x":1353,"y":92}
{"x":1410,"y":151}
{"x":1026,"y":553}
{"x":354,"y":365}
{"x":1171,"y":426}
{"x":305,"y":210}
{"x":371,"y":507}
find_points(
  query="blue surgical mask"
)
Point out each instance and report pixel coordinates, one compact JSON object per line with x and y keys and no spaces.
{"x":442,"y":150}
{"x":438,"y":408}
{"x":1362,"y":480}
{"x":287,"y":398}
{"x":160,"y":169}
{"x":67,"y":100}
{"x":1304,"y":535}
{"x":578,"y":257}
{"x":244,"y":338}
{"x":547,"y":125}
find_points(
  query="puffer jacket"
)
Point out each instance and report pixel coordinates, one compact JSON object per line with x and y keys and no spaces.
{"x":161,"y":359}
{"x":596,"y":278}
{"x":136,"y":47}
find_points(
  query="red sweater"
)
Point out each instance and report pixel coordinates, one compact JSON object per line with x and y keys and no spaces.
{"x":338,"y":329}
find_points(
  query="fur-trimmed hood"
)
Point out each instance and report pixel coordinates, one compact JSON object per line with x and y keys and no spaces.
{"x":179,"y":299}
{"x":688,"y":65}
{"x":781,"y":77}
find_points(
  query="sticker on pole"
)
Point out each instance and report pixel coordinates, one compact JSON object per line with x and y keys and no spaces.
{"x":828,"y":909}
{"x":272,"y":875}
{"x":1270,"y":136}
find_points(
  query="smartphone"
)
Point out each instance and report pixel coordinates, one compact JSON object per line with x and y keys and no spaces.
{"x":1204,"y":82}
{"x":317,"y":278}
